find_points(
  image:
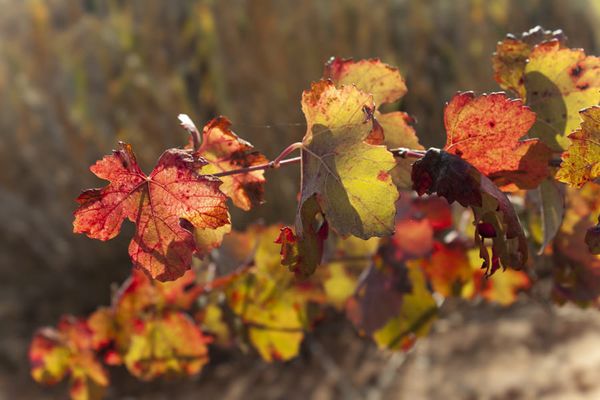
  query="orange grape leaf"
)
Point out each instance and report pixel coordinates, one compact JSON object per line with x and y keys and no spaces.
{"x":486,"y":132}
{"x":137,"y":297}
{"x":350,"y":178}
{"x":225,"y":151}
{"x":456,"y":180}
{"x":581,"y":161}
{"x":67,"y":351}
{"x":157,"y":204}
{"x":448,"y":269}
{"x":560,"y":82}
{"x":502,"y":288}
{"x":511,"y":56}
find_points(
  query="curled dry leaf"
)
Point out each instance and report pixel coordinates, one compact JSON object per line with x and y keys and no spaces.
{"x":453,"y":178}
{"x":164,"y":205}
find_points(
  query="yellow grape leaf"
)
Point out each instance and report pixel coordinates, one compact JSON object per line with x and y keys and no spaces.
{"x":170,"y":344}
{"x":339,"y":285}
{"x":511,"y":56}
{"x":417,"y":313}
{"x":386,"y":84}
{"x":270,"y":303}
{"x":340,"y":278}
{"x":351,"y":178}
{"x":372,"y":76}
{"x":213,"y":323}
{"x":560,"y":82}
{"x":581,"y":161}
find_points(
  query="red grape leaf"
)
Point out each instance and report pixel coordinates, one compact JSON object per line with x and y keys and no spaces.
{"x":350,"y":178}
{"x":581,"y":161}
{"x":67,"y":351}
{"x":225,"y":151}
{"x":157,"y":203}
{"x":456,"y":180}
{"x":486,"y":132}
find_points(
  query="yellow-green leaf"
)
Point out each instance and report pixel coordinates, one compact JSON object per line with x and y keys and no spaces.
{"x":351,"y":178}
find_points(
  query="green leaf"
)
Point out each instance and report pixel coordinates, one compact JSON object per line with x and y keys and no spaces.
{"x":350,"y":178}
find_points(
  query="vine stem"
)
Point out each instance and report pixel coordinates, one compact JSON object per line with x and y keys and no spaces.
{"x":280,"y":160}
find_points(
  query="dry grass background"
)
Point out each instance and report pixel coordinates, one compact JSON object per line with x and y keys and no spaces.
{"x":78,"y":75}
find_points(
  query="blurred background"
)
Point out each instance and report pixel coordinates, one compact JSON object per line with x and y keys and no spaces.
{"x":76,"y":76}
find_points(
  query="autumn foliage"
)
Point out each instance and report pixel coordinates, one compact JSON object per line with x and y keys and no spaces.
{"x":384,"y":229}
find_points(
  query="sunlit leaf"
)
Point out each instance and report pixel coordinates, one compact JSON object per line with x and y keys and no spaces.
{"x":157,"y":204}
{"x":581,"y":161}
{"x":350,"y":178}
{"x":486,"y":131}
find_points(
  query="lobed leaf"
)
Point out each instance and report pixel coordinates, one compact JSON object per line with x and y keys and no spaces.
{"x":560,"y":82}
{"x":350,"y":178}
{"x":581,"y":161}
{"x":511,"y":57}
{"x":167,"y":344}
{"x":225,"y":151}
{"x":157,"y":204}
{"x":386,"y":84}
{"x":486,"y":132}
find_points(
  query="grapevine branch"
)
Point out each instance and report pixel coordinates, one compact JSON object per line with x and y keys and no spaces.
{"x":400,"y":152}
